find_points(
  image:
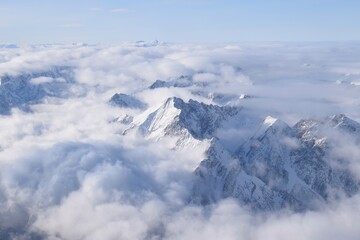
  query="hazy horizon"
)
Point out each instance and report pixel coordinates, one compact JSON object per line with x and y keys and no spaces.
{"x":111,"y":22}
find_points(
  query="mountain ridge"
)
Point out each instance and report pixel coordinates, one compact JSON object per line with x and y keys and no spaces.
{"x":277,"y":167}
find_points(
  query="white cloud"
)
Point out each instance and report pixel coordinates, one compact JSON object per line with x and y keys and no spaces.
{"x":66,"y":165}
{"x":72,"y":25}
{"x":95,"y":9}
{"x":119,"y":10}
{"x":41,"y":80}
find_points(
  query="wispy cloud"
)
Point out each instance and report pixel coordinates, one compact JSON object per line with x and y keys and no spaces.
{"x":72,"y":25}
{"x":95,"y":9}
{"x":4,"y":9}
{"x":119,"y":10}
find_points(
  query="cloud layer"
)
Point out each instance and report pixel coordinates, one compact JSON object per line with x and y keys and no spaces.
{"x":67,"y":172}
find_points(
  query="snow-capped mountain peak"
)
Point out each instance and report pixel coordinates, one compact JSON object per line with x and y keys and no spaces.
{"x":176,"y":117}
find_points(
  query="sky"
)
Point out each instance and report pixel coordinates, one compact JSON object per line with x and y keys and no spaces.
{"x":111,"y":22}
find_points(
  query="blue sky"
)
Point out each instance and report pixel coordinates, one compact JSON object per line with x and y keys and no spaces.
{"x":109,"y":21}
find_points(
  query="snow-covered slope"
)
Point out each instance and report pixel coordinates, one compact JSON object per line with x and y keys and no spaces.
{"x":290,"y":167}
{"x":189,"y":122}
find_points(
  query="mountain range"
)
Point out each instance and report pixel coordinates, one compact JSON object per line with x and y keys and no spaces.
{"x":262,"y":162}
{"x":274,"y":166}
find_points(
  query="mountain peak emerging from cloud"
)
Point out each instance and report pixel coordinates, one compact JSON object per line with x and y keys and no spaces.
{"x":244,"y":141}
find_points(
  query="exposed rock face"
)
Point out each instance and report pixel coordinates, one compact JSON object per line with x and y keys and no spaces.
{"x":180,"y":82}
{"x":126,"y":101}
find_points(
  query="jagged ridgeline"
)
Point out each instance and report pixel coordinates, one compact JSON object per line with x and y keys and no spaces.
{"x":24,"y":89}
{"x":274,"y":166}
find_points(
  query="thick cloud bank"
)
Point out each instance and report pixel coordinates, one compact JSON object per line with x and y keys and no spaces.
{"x":71,"y":166}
